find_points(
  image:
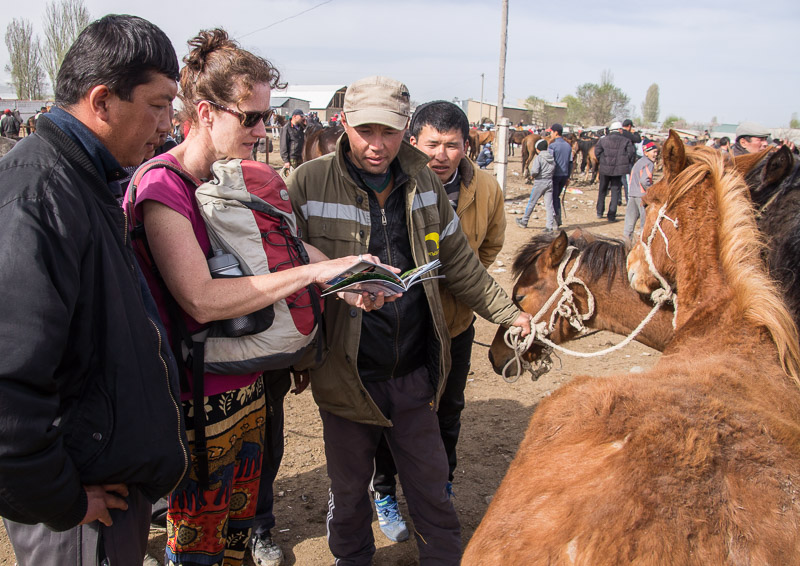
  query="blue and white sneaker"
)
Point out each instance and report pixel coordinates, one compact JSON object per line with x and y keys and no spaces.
{"x":390,"y":519}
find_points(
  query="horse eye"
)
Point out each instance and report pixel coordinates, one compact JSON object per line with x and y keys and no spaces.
{"x":519,"y":298}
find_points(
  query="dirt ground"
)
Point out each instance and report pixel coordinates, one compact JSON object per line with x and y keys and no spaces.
{"x":493,"y":423}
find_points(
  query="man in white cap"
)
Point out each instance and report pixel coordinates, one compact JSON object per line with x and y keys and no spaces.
{"x":751,"y":137}
{"x":386,"y":369}
{"x":615,"y":157}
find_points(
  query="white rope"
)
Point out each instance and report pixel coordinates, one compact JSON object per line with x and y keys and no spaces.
{"x":665,"y":293}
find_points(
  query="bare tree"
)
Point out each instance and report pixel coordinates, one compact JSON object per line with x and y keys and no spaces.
{"x":650,"y":105}
{"x":603,"y":102}
{"x":63,"y":21}
{"x":27,"y":76}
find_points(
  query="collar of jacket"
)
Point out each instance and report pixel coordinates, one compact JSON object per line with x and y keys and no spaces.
{"x":411,"y":160}
{"x":48,"y":130}
{"x":467,"y":171}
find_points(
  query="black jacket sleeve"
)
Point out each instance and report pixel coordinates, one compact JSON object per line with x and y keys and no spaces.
{"x":39,"y":274}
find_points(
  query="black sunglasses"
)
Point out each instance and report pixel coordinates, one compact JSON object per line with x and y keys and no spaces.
{"x":247,"y":119}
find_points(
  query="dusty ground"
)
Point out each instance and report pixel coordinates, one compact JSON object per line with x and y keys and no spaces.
{"x":494,"y":420}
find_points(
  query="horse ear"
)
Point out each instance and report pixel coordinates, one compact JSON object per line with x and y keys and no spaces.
{"x":779,"y":165}
{"x":674,"y":155}
{"x":557,"y":249}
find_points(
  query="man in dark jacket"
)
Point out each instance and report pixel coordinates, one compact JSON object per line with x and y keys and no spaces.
{"x":615,"y":156}
{"x":629,"y":131}
{"x":292,"y":139}
{"x":561,"y":151}
{"x":91,"y":432}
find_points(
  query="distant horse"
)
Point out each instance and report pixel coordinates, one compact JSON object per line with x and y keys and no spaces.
{"x":528,"y":153}
{"x":473,"y":144}
{"x":321,"y":141}
{"x":515,"y":138}
{"x":601,"y":267}
{"x":584,"y":145}
{"x":696,"y":461}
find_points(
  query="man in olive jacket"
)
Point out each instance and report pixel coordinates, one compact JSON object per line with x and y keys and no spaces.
{"x":386,"y":369}
{"x":441,"y":130}
{"x":91,"y":425}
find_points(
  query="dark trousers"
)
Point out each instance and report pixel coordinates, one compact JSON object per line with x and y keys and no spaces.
{"x":122,"y":544}
{"x":421,"y":463}
{"x":449,"y":414}
{"x":559,"y":182}
{"x":277,"y":384}
{"x":614,"y":184}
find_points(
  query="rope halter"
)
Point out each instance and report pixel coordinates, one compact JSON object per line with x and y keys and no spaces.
{"x":665,"y":292}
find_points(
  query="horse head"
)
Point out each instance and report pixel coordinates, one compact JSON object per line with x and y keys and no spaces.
{"x":650,"y":265}
{"x":537,"y":268}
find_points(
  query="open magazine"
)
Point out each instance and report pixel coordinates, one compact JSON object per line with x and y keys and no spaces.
{"x":373,"y":278}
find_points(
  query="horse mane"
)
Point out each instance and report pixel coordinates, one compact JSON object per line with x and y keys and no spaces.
{"x":602,"y":256}
{"x":740,"y":245}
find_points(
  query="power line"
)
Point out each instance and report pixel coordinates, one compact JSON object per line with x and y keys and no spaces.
{"x":286,"y":19}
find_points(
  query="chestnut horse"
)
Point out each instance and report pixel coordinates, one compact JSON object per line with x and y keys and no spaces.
{"x":696,"y":461}
{"x":601,"y":267}
{"x":773,"y":179}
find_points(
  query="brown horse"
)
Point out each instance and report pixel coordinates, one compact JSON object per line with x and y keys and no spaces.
{"x":321,"y":141}
{"x":617,"y":307}
{"x":528,"y":153}
{"x":515,"y":138}
{"x":696,"y":461}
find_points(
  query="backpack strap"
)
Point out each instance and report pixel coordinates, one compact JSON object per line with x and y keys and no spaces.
{"x":180,"y":333}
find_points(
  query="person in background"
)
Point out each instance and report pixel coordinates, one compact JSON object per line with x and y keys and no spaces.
{"x":641,"y":180}
{"x":629,"y":131}
{"x":91,"y":431}
{"x":440,"y":130}
{"x":485,"y":157}
{"x":9,"y":125}
{"x":751,"y":137}
{"x":615,"y":157}
{"x":292,"y":140}
{"x":561,"y":151}
{"x":542,"y":169}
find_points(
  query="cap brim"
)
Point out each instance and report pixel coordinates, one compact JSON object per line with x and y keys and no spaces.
{"x":376,"y":116}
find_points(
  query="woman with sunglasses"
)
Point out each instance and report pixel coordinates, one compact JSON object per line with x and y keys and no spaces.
{"x":225,"y":91}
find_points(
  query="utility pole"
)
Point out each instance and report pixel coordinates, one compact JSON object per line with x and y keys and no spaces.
{"x":480,"y":115}
{"x":501,"y":164}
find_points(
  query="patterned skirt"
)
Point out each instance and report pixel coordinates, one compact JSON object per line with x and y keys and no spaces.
{"x":211,"y":527}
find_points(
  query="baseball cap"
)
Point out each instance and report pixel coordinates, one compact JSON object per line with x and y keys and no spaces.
{"x":751,"y":129}
{"x":297,"y":112}
{"x":627,"y":122}
{"x":377,"y":100}
{"x":615,"y":126}
{"x":557,"y":128}
{"x":648,"y":146}
{"x":541,"y":145}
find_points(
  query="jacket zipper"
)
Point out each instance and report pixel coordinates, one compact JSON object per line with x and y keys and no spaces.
{"x":385,"y":223}
{"x":178,"y":409}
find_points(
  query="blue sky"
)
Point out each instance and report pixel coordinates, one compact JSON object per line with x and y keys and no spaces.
{"x":731,"y":60}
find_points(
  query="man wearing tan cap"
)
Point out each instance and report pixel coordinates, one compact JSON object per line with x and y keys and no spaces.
{"x":385,"y":369}
{"x":751,"y":137}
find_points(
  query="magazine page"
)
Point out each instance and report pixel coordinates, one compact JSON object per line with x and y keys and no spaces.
{"x":413,"y":275}
{"x":371,"y":286}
